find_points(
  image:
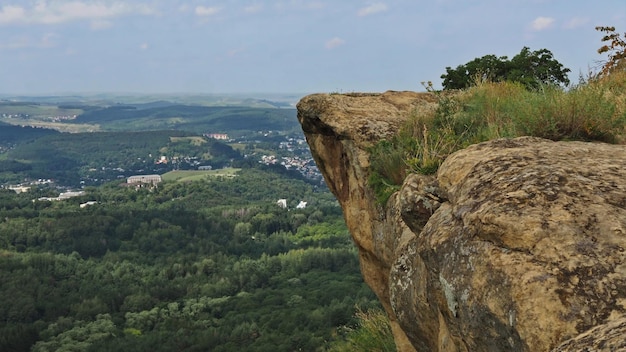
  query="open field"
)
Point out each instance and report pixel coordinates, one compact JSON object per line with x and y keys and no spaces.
{"x":59,"y":126}
{"x":194,"y":140}
{"x":238,"y":146}
{"x":198,"y":175}
{"x":37,"y":111}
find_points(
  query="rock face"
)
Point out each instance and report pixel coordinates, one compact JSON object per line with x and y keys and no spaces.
{"x":515,"y":245}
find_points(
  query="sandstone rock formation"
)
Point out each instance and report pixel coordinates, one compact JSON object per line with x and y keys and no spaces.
{"x":515,"y":245}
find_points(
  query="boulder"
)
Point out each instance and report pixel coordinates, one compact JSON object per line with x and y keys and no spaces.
{"x":514,"y":245}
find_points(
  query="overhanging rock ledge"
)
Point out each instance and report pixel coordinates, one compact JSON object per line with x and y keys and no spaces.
{"x":514,"y":245}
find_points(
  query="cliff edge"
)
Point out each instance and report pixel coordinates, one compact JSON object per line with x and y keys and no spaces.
{"x":513,"y":245}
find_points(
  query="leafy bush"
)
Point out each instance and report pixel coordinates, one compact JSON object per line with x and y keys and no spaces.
{"x":615,"y":49}
{"x":532,"y":69}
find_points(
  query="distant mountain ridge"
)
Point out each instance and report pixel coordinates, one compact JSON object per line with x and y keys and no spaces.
{"x":276,"y":100}
{"x":235,"y":116}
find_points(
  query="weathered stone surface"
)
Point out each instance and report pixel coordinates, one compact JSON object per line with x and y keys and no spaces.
{"x":516,"y":245}
{"x":606,"y":337}
{"x":339,"y":130}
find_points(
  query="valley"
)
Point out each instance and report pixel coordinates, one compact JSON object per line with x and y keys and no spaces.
{"x":204,"y":259}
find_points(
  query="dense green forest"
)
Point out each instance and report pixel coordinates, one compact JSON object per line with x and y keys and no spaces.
{"x":211,"y":265}
{"x":202,"y":263}
{"x":12,"y":134}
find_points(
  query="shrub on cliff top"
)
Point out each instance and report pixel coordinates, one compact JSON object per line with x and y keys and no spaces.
{"x":615,"y":48}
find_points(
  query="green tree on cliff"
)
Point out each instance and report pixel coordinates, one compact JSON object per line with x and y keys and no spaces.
{"x":530,"y":68}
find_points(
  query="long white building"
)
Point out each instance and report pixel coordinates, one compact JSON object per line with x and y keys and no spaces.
{"x":152,"y":179}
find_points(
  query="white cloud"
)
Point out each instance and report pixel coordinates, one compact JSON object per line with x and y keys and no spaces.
{"x":372,"y":9}
{"x":541,"y":23}
{"x":235,"y":52}
{"x":77,"y":10}
{"x":298,"y":5}
{"x":55,"y":12}
{"x":206,"y":11}
{"x":576,"y":22}
{"x":144,"y":46}
{"x":9,"y":14}
{"x":253,"y":8}
{"x":334,"y":43}
{"x":101,"y":24}
{"x":24,"y":41}
{"x":316,"y":5}
{"x":47,"y":41}
{"x":17,"y":43}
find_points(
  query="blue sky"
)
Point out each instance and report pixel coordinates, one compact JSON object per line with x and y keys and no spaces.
{"x":290,"y":46}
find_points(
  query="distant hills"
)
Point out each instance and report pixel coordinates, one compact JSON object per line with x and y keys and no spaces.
{"x":193,"y":118}
{"x":114,"y":136}
{"x":261,"y":100}
{"x":234,"y":115}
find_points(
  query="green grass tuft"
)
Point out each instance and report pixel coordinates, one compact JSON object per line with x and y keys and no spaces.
{"x":591,"y":111}
{"x":372,"y":333}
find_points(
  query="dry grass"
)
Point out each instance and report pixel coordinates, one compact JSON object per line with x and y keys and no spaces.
{"x":373,"y":333}
{"x":592,"y":111}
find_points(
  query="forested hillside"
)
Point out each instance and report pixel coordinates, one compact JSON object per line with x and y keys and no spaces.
{"x":205,"y":261}
{"x":69,"y":158}
{"x":11,"y":134}
{"x":236,"y":120}
{"x":212,"y":265}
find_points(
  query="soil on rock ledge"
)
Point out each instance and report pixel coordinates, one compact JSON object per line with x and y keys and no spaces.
{"x":516,"y":244}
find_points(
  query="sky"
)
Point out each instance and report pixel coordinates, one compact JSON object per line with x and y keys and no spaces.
{"x":280,"y":46}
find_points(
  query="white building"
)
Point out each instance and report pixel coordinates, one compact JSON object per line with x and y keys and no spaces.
{"x":152,"y":179}
{"x":19,"y":189}
{"x":221,"y":136}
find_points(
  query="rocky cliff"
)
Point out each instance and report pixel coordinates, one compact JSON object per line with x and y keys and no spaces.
{"x":514,"y":245}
